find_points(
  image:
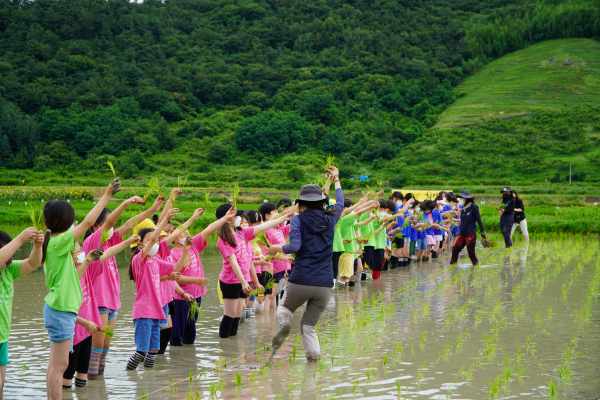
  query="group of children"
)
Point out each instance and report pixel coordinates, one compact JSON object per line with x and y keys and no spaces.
{"x":84,"y":287}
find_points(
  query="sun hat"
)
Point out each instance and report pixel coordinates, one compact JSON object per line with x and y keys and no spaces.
{"x":465,"y":194}
{"x":145,"y":224}
{"x":311,"y":192}
{"x":222,"y":210}
{"x":506,"y":189}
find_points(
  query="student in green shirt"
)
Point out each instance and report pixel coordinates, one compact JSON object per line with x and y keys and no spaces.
{"x":65,"y":297}
{"x":12,"y":270}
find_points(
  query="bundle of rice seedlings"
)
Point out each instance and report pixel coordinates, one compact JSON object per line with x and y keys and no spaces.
{"x":181,"y":182}
{"x":103,"y":237}
{"x":485,"y":242}
{"x":111,"y":168}
{"x":326,"y":162}
{"x":194,"y":309}
{"x":395,"y":240}
{"x":186,"y":262}
{"x":206,"y":199}
{"x":136,"y":229}
{"x":502,"y":205}
{"x":107,"y":330}
{"x":261,"y":240}
{"x":36,"y":216}
{"x":268,"y":286}
{"x":154,"y":186}
{"x":277,"y":256}
{"x":235,"y":193}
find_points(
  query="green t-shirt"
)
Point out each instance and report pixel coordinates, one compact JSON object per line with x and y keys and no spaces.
{"x":8,"y":274}
{"x":347,"y":232}
{"x":61,"y":274}
{"x":365,"y":229}
{"x":338,"y":245}
{"x":380,"y":240}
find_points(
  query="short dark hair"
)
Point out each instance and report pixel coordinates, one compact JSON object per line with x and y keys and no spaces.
{"x":266,"y":208}
{"x":284,"y":201}
{"x":348,"y":203}
{"x":252,"y":216}
{"x":4,"y":239}
{"x":390,"y":205}
{"x":397,"y":195}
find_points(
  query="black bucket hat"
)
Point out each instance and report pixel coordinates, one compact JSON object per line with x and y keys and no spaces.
{"x":222,"y":210}
{"x":465,"y":194}
{"x":311,"y":192}
{"x":506,"y":189}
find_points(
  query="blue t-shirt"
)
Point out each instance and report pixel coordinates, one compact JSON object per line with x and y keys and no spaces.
{"x":437,"y":218}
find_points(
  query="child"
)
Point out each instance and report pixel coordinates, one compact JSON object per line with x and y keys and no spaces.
{"x":260,"y":265}
{"x":237,"y":264}
{"x":192,"y":280}
{"x":12,"y":270}
{"x":146,"y":268}
{"x":367,"y":231}
{"x":107,"y":286}
{"x":385,"y":213}
{"x":65,"y":297}
{"x":347,"y":227}
{"x":427,"y":207}
{"x":88,"y":317}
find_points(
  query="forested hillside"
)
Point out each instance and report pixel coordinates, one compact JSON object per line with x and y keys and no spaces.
{"x":216,"y":87}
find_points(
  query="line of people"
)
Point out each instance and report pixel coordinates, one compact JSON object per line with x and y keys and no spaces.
{"x":304,"y":248}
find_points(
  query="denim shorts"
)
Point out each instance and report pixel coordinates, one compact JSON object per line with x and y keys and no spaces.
{"x":147,"y":334}
{"x":164,"y":323}
{"x":421,"y":244}
{"x":4,"y":353}
{"x":60,"y":325}
{"x":112,"y":314}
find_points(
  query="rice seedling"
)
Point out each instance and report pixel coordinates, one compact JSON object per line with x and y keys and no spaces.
{"x":195,"y":395}
{"x":154,"y":186}
{"x":36,"y":217}
{"x":136,"y":229}
{"x":235,"y":194}
{"x":291,"y":387}
{"x":261,"y":240}
{"x":108,"y":330}
{"x":385,"y":359}
{"x":237,"y":379}
{"x":354,"y":386}
{"x":326,"y":162}
{"x":552,"y":390}
{"x":111,"y":168}
{"x":194,"y":311}
{"x":143,"y":395}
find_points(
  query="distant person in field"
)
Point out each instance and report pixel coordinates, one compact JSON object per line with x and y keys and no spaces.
{"x":467,"y":231}
{"x":507,"y":211}
{"x":519,"y":218}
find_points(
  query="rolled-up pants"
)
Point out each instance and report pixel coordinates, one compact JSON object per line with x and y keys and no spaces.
{"x":316,"y":299}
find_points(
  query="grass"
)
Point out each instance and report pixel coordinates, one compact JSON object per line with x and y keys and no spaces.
{"x":529,"y":80}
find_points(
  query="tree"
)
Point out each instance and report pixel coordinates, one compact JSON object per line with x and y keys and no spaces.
{"x":133,"y":75}
{"x":165,"y":138}
{"x":273,"y":132}
{"x":334,"y":142}
{"x":295,"y":174}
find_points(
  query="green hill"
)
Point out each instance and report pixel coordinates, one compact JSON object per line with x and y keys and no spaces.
{"x":552,"y":75}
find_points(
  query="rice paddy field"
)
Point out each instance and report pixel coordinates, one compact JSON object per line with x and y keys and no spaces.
{"x":551,"y":75}
{"x":523,"y":324}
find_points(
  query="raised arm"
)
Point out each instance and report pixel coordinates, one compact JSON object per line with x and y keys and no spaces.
{"x":112,"y":219}
{"x":295,"y":240}
{"x":179,"y":264}
{"x":130,"y":224}
{"x":174,"y":193}
{"x":11,"y":248}
{"x":272,"y":223}
{"x":156,"y":234}
{"x":35,"y":257}
{"x":114,"y":250}
{"x":215,"y":226}
{"x":185,"y":226}
{"x":367,"y":207}
{"x":366,"y":221}
{"x":90,"y":219}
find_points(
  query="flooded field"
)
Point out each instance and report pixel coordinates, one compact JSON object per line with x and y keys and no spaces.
{"x":521,"y":325}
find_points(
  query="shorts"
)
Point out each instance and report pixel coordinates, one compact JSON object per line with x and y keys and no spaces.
{"x":279,"y":276}
{"x":421,"y":244}
{"x":164,"y":323}
{"x":438,"y":238}
{"x":454,"y":235}
{"x":112,"y":314}
{"x":4,"y":353}
{"x":263,"y":279}
{"x":406,"y":239}
{"x":355,"y":265}
{"x":232,"y":290}
{"x":60,"y":325}
{"x":448,"y":237}
{"x":346,"y":265}
{"x":413,"y":247}
{"x":79,"y":359}
{"x":147,"y":334}
{"x":171,"y":305}
{"x":430,"y":240}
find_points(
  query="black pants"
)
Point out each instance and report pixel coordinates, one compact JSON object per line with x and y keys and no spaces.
{"x":460,"y":244}
{"x":506,"y":233}
{"x":378,"y":259}
{"x":368,"y":256}
{"x":79,"y":359}
{"x":335,"y":261}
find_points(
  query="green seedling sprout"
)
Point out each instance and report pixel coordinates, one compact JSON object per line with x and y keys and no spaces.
{"x":194,"y":311}
{"x":326,"y":162}
{"x":238,"y":379}
{"x":136,"y":229}
{"x":206,"y":199}
{"x":235,"y":193}
{"x":111,"y":168}
{"x":103,"y":237}
{"x":35,"y":215}
{"x":107,"y":331}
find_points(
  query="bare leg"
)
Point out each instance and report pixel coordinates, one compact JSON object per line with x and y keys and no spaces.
{"x":57,"y":364}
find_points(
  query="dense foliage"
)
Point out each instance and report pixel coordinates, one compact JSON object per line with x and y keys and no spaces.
{"x":233,"y":81}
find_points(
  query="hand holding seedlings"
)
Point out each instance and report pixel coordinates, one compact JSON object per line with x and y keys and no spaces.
{"x":27,"y":235}
{"x":114,"y":187}
{"x":134,"y":200}
{"x":89,"y":326}
{"x":94,"y":255}
{"x":174,"y":276}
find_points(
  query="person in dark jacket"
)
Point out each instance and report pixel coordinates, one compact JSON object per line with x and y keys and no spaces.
{"x":311,"y":240}
{"x":467,"y":232}
{"x":507,"y":212}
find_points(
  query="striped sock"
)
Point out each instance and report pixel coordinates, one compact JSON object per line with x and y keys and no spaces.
{"x":80,"y":382}
{"x":149,"y":360}
{"x":135,"y":359}
{"x":67,"y":386}
{"x":102,"y":362}
{"x":94,"y":360}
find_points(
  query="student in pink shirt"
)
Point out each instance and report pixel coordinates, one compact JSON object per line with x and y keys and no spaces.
{"x":107,"y":286}
{"x":192,"y":280}
{"x":237,"y":267}
{"x":276,"y":236}
{"x":89,"y":268}
{"x":146,"y":268}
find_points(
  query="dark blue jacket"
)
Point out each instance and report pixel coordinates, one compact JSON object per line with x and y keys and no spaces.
{"x":508,"y":215}
{"x":311,"y":239}
{"x":468,"y":218}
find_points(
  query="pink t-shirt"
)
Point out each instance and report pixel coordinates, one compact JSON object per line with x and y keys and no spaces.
{"x":192,"y":268}
{"x":167,"y":288}
{"x":107,"y":286}
{"x":277,"y":236}
{"x":147,"y":275}
{"x":89,"y":307}
{"x":242,"y":252}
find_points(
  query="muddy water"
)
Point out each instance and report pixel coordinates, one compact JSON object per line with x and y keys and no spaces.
{"x":426,"y":331}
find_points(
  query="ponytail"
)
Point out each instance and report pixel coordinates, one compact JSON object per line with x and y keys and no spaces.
{"x":135,"y":250}
{"x":226,"y":235}
{"x":45,"y":245}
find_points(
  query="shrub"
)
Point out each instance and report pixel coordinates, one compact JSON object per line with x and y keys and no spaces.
{"x":295,"y":174}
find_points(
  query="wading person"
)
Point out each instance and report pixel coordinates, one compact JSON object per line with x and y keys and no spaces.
{"x":507,"y":211}
{"x":467,"y":231}
{"x":519,"y":217}
{"x":311,"y":239}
